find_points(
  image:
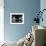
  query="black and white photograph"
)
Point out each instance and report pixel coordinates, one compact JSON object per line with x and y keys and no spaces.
{"x":16,"y":18}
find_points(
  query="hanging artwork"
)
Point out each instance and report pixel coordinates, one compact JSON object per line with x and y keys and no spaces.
{"x":16,"y":18}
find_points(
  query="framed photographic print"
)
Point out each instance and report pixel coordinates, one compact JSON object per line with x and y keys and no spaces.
{"x":16,"y":18}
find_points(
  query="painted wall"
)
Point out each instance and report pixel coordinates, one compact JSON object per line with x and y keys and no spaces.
{"x":29,"y":8}
{"x":1,"y":20}
{"x":43,"y":6}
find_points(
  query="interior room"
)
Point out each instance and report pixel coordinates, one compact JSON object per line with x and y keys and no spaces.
{"x":22,"y":22}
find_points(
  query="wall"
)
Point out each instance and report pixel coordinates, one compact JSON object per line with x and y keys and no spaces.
{"x":29,"y":8}
{"x":1,"y":20}
{"x":43,"y":6}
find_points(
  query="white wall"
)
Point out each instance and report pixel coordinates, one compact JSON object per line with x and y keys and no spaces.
{"x":1,"y":21}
